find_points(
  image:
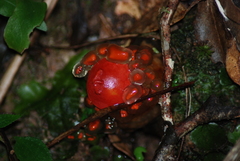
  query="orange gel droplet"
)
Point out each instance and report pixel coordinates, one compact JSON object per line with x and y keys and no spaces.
{"x":78,"y":70}
{"x":94,"y":125}
{"x":123,"y":113}
{"x":80,"y":135}
{"x":90,"y":58}
{"x":119,"y":54}
{"x":136,"y":106}
{"x":150,"y":99}
{"x":150,"y":75}
{"x":81,"y":70}
{"x":146,"y":54}
{"x":137,"y":76}
{"x":92,"y":138}
{"x":157,"y":85}
{"x":132,"y":93}
{"x":70,"y":137}
{"x":102,"y":50}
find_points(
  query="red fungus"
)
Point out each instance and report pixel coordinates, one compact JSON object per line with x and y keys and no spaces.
{"x":106,"y":83}
{"x":120,"y":75}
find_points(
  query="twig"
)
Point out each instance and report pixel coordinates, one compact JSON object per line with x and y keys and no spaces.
{"x":127,"y":36}
{"x":105,"y":111}
{"x":165,"y":34}
{"x":10,"y":151}
{"x":9,"y":75}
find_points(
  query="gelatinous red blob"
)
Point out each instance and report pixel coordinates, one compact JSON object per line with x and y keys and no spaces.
{"x":134,"y":49}
{"x":136,"y":64}
{"x":81,"y":70}
{"x":132,"y":93}
{"x":78,"y":69}
{"x":137,"y":76}
{"x":146,"y":55}
{"x":106,"y":83}
{"x":145,"y":91}
{"x":123,"y":113}
{"x":150,"y":99}
{"x":94,"y":125}
{"x":150,"y":74}
{"x":157,"y":85}
{"x":70,"y":137}
{"x":119,"y":54}
{"x":80,"y":135}
{"x":136,"y":106}
{"x":90,"y":137}
{"x":102,"y":50}
{"x":90,"y":58}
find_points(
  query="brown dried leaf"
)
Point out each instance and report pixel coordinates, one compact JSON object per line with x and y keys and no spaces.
{"x":149,"y":21}
{"x":123,"y":147}
{"x":130,"y":7}
{"x":231,"y":10}
{"x":232,"y":13}
{"x":233,"y":63}
{"x":210,"y":28}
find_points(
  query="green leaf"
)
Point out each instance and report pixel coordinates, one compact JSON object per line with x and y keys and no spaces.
{"x":208,"y":137}
{"x":235,"y":135}
{"x":31,"y":149}
{"x":32,"y":91}
{"x":138,"y":152}
{"x":7,"y":119}
{"x":225,"y":80}
{"x":42,"y":27}
{"x":26,"y":16}
{"x":7,"y":7}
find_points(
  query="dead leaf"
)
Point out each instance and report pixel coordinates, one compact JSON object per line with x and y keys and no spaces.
{"x":130,"y":7}
{"x":232,"y":18}
{"x":233,"y":63}
{"x":230,"y":10}
{"x":210,"y":27}
{"x":149,"y":21}
{"x":123,"y":147}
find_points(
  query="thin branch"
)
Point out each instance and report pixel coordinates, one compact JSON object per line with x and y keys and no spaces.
{"x":127,"y":36}
{"x":9,"y":75}
{"x":105,"y":111}
{"x":10,"y":151}
{"x":165,"y":34}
